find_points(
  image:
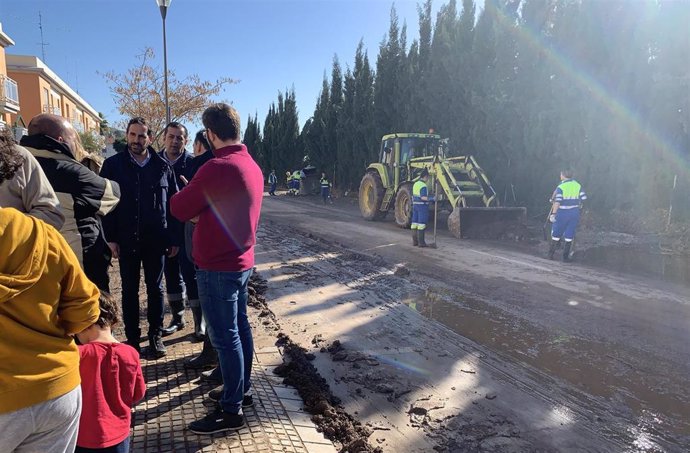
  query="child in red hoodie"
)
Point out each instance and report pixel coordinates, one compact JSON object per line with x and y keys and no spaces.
{"x":111,"y":383}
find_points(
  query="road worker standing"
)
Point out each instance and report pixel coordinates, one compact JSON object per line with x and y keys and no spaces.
{"x":565,"y":213}
{"x":420,"y":209}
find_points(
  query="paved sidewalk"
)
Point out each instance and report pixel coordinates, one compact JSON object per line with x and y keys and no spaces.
{"x":175,"y":397}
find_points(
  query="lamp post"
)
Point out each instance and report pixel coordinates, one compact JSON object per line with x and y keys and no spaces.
{"x":164,"y":5}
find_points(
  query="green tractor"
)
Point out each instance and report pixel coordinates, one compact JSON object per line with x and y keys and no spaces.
{"x":459,"y":184}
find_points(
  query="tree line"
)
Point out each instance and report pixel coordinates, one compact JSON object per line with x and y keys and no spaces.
{"x":527,"y":86}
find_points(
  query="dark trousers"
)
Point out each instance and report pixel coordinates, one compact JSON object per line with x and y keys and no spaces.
{"x":188,"y":274}
{"x":272,"y":189}
{"x":175,"y":285}
{"x":130,"y":268}
{"x":96,"y":269}
{"x":122,"y":447}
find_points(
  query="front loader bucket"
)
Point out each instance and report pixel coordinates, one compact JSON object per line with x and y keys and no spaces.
{"x":487,"y":223}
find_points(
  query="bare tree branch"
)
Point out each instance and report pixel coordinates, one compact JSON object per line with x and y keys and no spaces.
{"x":139,"y":92}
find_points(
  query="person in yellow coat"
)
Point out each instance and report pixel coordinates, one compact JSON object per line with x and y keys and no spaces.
{"x":45,"y":299}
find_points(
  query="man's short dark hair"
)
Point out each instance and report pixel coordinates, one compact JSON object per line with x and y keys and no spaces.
{"x":567,"y":173}
{"x":200,"y":137}
{"x":176,"y":125}
{"x":10,"y":159}
{"x":141,"y":121}
{"x":223,"y":120}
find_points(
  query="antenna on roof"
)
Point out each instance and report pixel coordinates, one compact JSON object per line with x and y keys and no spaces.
{"x":43,"y":43}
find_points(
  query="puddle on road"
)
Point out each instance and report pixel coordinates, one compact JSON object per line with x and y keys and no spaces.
{"x":589,"y":366}
{"x":640,"y":261}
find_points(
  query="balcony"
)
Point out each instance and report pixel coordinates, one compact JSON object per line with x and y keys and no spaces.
{"x":78,"y":125}
{"x":55,"y":110}
{"x":9,"y":95}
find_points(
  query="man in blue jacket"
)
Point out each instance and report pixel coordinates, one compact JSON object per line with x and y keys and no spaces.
{"x":141,"y":230}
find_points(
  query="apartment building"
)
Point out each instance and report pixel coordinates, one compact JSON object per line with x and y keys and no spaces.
{"x":9,"y":92}
{"x":43,"y":91}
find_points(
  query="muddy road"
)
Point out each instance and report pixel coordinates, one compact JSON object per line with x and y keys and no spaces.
{"x":478,"y":346}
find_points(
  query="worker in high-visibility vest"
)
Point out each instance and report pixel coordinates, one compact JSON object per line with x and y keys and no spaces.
{"x":420,"y":209}
{"x":296,"y":177}
{"x":565,"y":213}
{"x":325,"y":189}
{"x":288,"y":181}
{"x":272,"y":182}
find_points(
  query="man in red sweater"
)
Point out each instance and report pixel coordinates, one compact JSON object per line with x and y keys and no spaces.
{"x":225,"y":195}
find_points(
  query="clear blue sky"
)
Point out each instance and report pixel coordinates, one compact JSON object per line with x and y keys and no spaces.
{"x":270,"y":45}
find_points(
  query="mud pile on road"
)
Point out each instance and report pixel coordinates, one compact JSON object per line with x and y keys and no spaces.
{"x":257,"y":288}
{"x":329,"y":417}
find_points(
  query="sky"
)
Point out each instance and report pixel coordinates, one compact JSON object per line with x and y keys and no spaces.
{"x":269,"y":45}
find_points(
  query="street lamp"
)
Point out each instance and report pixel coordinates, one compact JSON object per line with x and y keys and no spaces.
{"x":164,"y":5}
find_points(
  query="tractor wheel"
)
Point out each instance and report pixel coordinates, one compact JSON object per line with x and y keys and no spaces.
{"x":403,"y":206}
{"x":371,"y":194}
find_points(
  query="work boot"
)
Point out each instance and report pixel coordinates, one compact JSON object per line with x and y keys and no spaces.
{"x":177,"y":322}
{"x":415,"y":241}
{"x":207,"y":359}
{"x":156,"y":346}
{"x":566,"y":252}
{"x":199,"y":323}
{"x":552,"y":248}
{"x":420,"y":238}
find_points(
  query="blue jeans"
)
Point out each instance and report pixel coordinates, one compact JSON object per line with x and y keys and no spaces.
{"x":223,"y":297}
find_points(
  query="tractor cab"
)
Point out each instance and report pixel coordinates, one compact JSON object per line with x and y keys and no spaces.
{"x":397,"y":150}
{"x":400,"y":148}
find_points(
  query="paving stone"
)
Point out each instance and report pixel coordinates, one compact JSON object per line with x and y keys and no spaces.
{"x":319,"y":448}
{"x":175,"y":397}
{"x":310,"y":434}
